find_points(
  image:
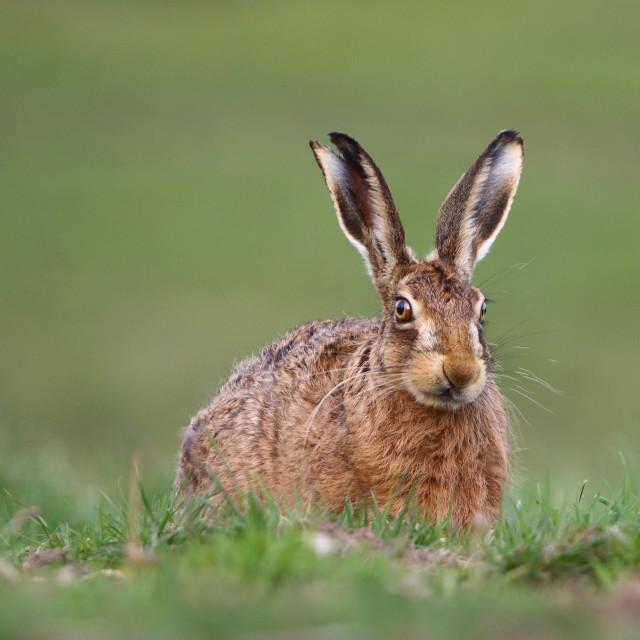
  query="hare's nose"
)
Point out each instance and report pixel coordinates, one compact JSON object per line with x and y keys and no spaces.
{"x":461,"y":373}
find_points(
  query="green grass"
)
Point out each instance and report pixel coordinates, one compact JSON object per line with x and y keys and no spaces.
{"x":145,"y":566}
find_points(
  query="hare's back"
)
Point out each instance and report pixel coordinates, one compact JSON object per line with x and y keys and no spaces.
{"x":309,"y":351}
{"x":266,"y":400}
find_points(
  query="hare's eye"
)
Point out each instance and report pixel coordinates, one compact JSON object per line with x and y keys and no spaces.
{"x":403,"y":310}
{"x":483,"y":310}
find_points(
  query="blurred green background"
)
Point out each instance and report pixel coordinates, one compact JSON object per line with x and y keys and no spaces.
{"x":162,"y":215}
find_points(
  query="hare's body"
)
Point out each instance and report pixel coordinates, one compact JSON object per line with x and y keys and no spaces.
{"x":344,"y":433}
{"x":401,"y":408}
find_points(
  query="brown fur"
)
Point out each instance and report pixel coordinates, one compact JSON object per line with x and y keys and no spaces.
{"x":358,"y":409}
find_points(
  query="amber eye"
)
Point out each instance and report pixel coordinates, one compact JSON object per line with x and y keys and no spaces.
{"x":403,"y":310}
{"x":483,"y":310}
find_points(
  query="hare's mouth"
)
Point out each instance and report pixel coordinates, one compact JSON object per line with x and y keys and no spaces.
{"x":443,"y":399}
{"x":450,"y":399}
{"x":447,"y":396}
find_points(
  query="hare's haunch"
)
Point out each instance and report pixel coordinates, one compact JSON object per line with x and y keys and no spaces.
{"x":391,"y":409}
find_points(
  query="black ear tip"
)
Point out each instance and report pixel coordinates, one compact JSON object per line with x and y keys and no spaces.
{"x":509,"y":135}
{"x":342,"y":140}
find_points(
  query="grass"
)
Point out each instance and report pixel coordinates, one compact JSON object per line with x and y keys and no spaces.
{"x":146,"y":566}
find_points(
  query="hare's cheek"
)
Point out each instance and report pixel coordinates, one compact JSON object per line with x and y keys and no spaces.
{"x":476,"y":343}
{"x":474,"y":390}
{"x":399,"y":346}
{"x":427,"y":337}
{"x":425,"y":370}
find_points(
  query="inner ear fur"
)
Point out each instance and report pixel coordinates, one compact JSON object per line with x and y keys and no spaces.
{"x":477,"y":207}
{"x":364,"y":206}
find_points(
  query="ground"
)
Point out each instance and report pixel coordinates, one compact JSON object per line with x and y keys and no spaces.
{"x":144,"y":566}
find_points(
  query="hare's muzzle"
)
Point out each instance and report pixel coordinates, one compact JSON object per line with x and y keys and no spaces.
{"x":445,"y":381}
{"x":462,"y":382}
{"x":461,"y":373}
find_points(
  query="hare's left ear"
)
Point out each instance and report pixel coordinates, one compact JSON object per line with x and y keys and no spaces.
{"x":477,"y":207}
{"x":365,"y":208}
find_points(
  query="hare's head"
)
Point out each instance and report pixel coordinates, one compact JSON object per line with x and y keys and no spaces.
{"x":432,"y":334}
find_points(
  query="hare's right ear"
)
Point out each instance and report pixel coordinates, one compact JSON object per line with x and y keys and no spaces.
{"x":364,"y":205}
{"x":477,"y":207}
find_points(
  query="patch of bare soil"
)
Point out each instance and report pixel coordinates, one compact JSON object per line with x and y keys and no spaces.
{"x":44,"y":557}
{"x":332,"y":539}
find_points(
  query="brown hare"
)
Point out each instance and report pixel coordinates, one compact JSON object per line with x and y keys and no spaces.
{"x":396,"y":409}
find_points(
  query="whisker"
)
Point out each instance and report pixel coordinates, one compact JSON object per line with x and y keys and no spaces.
{"x":514,"y":409}
{"x":390,"y":382}
{"x":508,"y":338}
{"x":529,"y":375}
{"x":502,"y":273}
{"x":315,"y":411}
{"x":528,"y":397}
{"x":506,"y":376}
{"x":509,"y":332}
{"x":329,"y":393}
{"x":501,"y":357}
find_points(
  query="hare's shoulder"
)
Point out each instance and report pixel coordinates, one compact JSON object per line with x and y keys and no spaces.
{"x":321,"y":344}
